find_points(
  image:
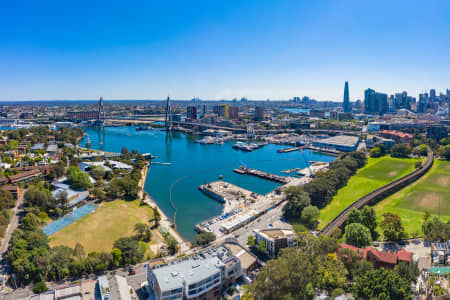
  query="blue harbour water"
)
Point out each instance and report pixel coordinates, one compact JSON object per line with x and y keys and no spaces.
{"x":194,"y":164}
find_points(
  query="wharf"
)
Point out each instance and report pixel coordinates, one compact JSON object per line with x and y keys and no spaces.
{"x":264,"y":175}
{"x":313,"y":169}
{"x":324,"y":150}
{"x":291,"y":170}
{"x":225,"y":192}
{"x":286,"y":150}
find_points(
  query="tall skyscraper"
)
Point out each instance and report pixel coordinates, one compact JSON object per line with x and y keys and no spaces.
{"x":346,"y":105}
{"x":191,"y":112}
{"x":259,"y":113}
{"x":432,"y":94}
{"x":375,"y":103}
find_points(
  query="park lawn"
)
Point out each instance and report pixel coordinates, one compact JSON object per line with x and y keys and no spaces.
{"x":429,"y":193}
{"x":375,"y":174}
{"x":98,"y":230}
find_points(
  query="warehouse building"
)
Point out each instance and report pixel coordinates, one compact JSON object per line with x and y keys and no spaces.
{"x":345,"y":143}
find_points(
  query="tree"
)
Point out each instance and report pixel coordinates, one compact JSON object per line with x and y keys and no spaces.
{"x":156,"y":216}
{"x":98,"y":193}
{"x":435,"y":230}
{"x":375,"y":152}
{"x":357,"y":235}
{"x":310,"y":215}
{"x":297,"y":200}
{"x":251,"y":241}
{"x":130,"y":250}
{"x":401,"y":150}
{"x":423,"y":150}
{"x":39,"y":196}
{"x":204,"y":238}
{"x":61,"y":199}
{"x":81,"y":181}
{"x":78,"y":251}
{"x":381,"y":284}
{"x":291,"y":276}
{"x":261,"y":248}
{"x":408,"y":271}
{"x":354,"y":216}
{"x":369,"y":219}
{"x":117,"y":257}
{"x":172,"y":244}
{"x":6,"y":199}
{"x":40,"y":287}
{"x":144,"y":232}
{"x":392,"y":227}
{"x":444,"y":151}
{"x":97,"y":172}
{"x":57,"y":170}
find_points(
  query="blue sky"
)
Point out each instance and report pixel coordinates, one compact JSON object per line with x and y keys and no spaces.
{"x":77,"y":49}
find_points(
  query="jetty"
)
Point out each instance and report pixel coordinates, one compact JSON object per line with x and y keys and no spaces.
{"x":324,"y":150}
{"x":261,"y":174}
{"x":286,"y":150}
{"x":291,"y":170}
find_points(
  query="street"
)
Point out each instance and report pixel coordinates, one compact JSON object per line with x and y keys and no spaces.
{"x":17,"y":214}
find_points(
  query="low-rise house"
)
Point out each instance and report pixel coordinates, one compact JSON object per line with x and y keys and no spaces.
{"x":387,"y":260}
{"x":398,"y":136}
{"x":120,"y":165}
{"x":275,"y":239}
{"x":22,"y":149}
{"x":52,"y":149}
{"x":38,"y":146}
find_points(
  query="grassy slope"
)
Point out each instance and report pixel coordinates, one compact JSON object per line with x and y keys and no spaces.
{"x":98,"y":230}
{"x":377,"y":172}
{"x":423,"y":195}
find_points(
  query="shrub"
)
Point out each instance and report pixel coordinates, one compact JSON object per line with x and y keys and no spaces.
{"x":40,"y":287}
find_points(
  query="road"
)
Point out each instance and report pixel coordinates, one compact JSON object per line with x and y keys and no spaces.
{"x":17,"y":214}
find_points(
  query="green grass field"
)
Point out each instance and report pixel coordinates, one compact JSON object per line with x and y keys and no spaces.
{"x":98,"y":230}
{"x":426,"y":194}
{"x":375,"y":174}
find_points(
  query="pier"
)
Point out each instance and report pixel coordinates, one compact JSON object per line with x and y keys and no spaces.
{"x":324,"y":150}
{"x":264,"y":175}
{"x":225,"y":192}
{"x":286,"y":150}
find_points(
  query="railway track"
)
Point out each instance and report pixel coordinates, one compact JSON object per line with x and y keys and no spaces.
{"x":380,"y":194}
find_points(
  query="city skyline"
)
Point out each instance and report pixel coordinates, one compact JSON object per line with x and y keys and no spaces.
{"x":257,"y":50}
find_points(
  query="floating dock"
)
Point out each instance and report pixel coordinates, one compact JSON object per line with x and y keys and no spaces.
{"x":264,"y":175}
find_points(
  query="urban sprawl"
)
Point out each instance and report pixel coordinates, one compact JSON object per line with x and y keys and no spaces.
{"x":372,"y":223}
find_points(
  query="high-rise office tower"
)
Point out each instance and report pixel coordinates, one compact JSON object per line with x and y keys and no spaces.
{"x":259,"y":113}
{"x":191,"y":112}
{"x":375,"y":103}
{"x":432,"y":94}
{"x":346,"y":105}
